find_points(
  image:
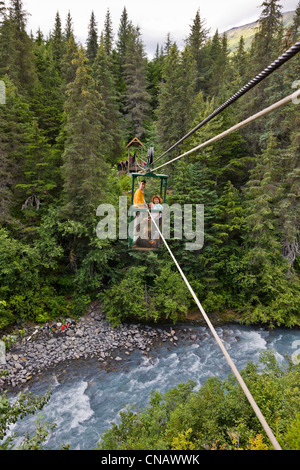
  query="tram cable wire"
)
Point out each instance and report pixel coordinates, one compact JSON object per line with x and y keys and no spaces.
{"x":287,"y":55}
{"x":239,"y":378}
{"x":294,"y":97}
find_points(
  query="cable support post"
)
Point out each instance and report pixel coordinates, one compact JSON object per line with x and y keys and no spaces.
{"x":287,"y":55}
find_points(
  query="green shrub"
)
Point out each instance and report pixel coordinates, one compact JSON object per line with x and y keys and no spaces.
{"x":138,"y":296}
{"x":218,"y":415}
{"x":126,"y":299}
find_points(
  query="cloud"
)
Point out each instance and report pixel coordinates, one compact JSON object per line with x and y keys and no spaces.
{"x":156,"y":18}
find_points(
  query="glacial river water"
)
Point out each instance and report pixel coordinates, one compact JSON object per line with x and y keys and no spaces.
{"x":86,"y":398}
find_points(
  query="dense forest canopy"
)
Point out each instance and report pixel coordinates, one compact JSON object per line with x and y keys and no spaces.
{"x":70,"y":110}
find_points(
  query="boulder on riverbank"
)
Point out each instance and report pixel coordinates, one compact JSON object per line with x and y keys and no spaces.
{"x":43,"y":347}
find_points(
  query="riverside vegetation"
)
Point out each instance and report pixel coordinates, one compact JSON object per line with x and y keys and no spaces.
{"x":69,"y":112}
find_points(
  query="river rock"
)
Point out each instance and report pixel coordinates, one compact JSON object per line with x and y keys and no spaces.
{"x":92,"y":336}
{"x":70,"y":333}
{"x":18,"y":365}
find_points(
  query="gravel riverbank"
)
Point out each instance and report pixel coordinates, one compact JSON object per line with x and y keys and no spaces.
{"x":91,"y":336}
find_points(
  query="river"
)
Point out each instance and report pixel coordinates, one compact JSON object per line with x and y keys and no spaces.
{"x":86,"y":398}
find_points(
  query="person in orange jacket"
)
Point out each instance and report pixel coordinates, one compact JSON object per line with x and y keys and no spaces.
{"x":139,"y":196}
{"x":139,"y":201}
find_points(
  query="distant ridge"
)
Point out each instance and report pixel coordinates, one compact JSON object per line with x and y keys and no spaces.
{"x":248,"y":31}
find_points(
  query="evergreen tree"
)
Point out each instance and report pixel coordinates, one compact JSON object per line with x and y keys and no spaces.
{"x":287,"y":209}
{"x":121,"y":46}
{"x":57,"y":42}
{"x":69,"y":61}
{"x":169,"y":101}
{"x":168,"y":45}
{"x":240,"y":61}
{"x":62,"y":127}
{"x":39,"y":40}
{"x":111,"y":140}
{"x":2,"y":8}
{"x":137,"y":98}
{"x":108,"y":34}
{"x":265,"y":48}
{"x":225,"y":248}
{"x":187,"y":84}
{"x":154,"y":78}
{"x":177,"y":97}
{"x":264,"y":282}
{"x":196,"y":41}
{"x":39,"y":178}
{"x":218,"y":63}
{"x":15,"y":120}
{"x":92,"y":41}
{"x":123,"y":36}
{"x":68,"y":28}
{"x":192,"y":183}
{"x":47,"y":100}
{"x":84,"y":165}
{"x":16,"y":48}
{"x":6,"y":38}
{"x":267,"y":39}
{"x":295,"y":28}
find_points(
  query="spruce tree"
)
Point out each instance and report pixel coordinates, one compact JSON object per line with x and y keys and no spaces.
{"x":57,"y":42}
{"x":2,"y":8}
{"x":121,"y":46}
{"x":6,"y":39}
{"x":18,"y":14}
{"x":188,"y":74}
{"x":295,"y":28}
{"x":265,"y":47}
{"x":168,"y":45}
{"x":68,"y":28}
{"x":15,"y":121}
{"x":123,"y":35}
{"x":16,"y":48}
{"x":154,"y":78}
{"x":137,"y":98}
{"x":289,"y":143}
{"x":270,"y":287}
{"x":68,"y":67}
{"x":240,"y":62}
{"x":39,"y":40}
{"x":177,"y":97}
{"x":39,"y":176}
{"x":192,"y":183}
{"x":47,"y":100}
{"x":92,"y":41}
{"x":84,"y":166}
{"x":218,"y":63}
{"x":108,"y":34}
{"x":266,"y":42}
{"x":111,"y":140}
{"x":222,"y":248}
{"x":196,"y":41}
{"x":169,"y":101}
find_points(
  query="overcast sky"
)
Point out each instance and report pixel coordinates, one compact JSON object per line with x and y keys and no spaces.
{"x":156,"y":18}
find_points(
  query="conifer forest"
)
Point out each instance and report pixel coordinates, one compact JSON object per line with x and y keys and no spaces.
{"x":70,"y":110}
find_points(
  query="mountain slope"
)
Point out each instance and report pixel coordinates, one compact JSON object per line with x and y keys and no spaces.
{"x":248,"y":31}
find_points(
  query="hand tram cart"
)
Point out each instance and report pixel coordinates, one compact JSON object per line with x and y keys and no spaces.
{"x":143,"y":234}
